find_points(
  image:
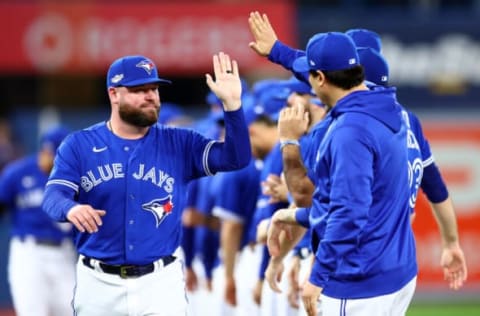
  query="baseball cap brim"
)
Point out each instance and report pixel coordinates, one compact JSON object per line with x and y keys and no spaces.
{"x":143,"y":81}
{"x":301,"y":64}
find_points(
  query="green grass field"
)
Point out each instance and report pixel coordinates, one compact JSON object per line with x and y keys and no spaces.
{"x":441,"y":309}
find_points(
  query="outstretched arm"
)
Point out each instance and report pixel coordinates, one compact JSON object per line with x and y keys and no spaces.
{"x":267,"y":44}
{"x":292,"y":124}
{"x":235,"y":152}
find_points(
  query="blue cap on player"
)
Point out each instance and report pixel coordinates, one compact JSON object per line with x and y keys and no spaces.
{"x":376,"y":67}
{"x":365,"y":38}
{"x":328,"y":52}
{"x":53,"y":137}
{"x":129,"y":71}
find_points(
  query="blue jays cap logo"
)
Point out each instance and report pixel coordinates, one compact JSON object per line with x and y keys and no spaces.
{"x":160,"y":208}
{"x":146,"y":65}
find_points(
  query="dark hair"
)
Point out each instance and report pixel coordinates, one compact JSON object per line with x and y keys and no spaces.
{"x":345,"y":79}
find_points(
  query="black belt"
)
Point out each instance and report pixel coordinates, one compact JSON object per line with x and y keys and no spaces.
{"x":128,"y":271}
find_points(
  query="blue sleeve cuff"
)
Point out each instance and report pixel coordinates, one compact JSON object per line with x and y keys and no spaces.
{"x":302,"y":216}
{"x":57,"y":201}
{"x":433,"y":185}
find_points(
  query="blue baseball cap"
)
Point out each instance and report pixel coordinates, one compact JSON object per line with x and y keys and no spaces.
{"x":376,"y":67}
{"x":53,"y":137}
{"x":129,"y":71}
{"x":365,"y":38}
{"x":328,"y":52}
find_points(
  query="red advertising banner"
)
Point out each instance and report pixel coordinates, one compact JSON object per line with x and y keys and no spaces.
{"x":87,"y":37}
{"x":456,"y":148}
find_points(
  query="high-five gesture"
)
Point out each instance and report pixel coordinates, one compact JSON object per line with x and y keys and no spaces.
{"x":227,"y":85}
{"x":262,"y":32}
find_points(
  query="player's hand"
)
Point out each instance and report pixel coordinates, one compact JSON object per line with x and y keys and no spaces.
{"x":454,"y":266}
{"x":262,"y":231}
{"x":192,"y":217}
{"x":273,"y":274}
{"x":257,"y":292}
{"x":293,"y":282}
{"x":293,"y":122}
{"x":85,"y":218}
{"x":191,"y":280}
{"x":275,"y":187}
{"x":311,"y":298}
{"x":227,"y":85}
{"x":262,"y":32}
{"x":280,"y":222}
{"x":230,"y":291}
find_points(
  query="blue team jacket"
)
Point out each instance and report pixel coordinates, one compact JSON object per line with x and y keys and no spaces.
{"x":361,"y":203}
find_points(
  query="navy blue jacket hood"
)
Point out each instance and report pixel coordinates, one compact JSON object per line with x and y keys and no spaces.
{"x":380,"y":104}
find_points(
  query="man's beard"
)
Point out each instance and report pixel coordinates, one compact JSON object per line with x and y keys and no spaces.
{"x":136,"y":116}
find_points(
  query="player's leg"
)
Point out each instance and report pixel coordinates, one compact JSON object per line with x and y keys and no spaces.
{"x":26,"y":279}
{"x":62,"y":277}
{"x":98,"y":293}
{"x":161,"y":293}
{"x":394,"y":304}
{"x":403,"y":298}
{"x":246,"y":271}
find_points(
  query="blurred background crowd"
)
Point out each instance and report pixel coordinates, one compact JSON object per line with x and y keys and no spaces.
{"x":55,"y":54}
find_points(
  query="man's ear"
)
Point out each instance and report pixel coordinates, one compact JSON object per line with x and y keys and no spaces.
{"x":321,"y":78}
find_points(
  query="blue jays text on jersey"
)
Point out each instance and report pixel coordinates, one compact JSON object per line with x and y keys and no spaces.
{"x":107,"y":172}
{"x":141,"y":184}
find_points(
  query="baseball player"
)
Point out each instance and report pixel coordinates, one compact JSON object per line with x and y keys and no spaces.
{"x":122,"y":183}
{"x":376,"y":71}
{"x":41,"y":265}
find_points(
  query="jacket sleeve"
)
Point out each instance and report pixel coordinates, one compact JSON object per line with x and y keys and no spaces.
{"x":235,"y":152}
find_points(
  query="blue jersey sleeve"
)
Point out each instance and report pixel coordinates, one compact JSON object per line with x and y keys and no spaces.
{"x":264,"y":263}
{"x":425,"y":150}
{"x":62,"y":187}
{"x":235,"y":152}
{"x":285,"y":56}
{"x":433,"y":185}
{"x":188,"y":245}
{"x":192,"y":193}
{"x":209,"y":250}
{"x":432,"y":182}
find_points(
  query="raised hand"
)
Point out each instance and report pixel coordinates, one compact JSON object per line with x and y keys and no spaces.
{"x":293,"y":122}
{"x":262,"y":32}
{"x":227,"y":85}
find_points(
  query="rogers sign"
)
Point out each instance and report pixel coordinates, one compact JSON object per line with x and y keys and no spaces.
{"x":180,"y":38}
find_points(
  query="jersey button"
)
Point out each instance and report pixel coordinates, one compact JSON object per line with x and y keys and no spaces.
{"x":130,"y":247}
{"x":126,"y":148}
{"x":131,"y":222}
